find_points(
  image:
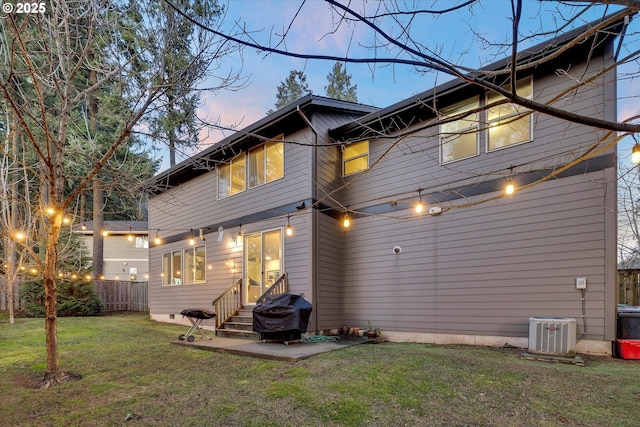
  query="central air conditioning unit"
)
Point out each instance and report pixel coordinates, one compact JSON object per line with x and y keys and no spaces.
{"x":554,"y":336}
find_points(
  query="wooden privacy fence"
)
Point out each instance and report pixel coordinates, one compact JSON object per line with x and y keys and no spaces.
{"x":628,"y":287}
{"x":116,"y":295}
{"x":122,"y":295}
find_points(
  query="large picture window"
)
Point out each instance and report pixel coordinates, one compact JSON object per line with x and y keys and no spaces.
{"x":231,"y":177}
{"x":509,"y":124}
{"x":355,"y":158}
{"x":266,"y":163}
{"x":194,"y":264}
{"x":459,"y":138}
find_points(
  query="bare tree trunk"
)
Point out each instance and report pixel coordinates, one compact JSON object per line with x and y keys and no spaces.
{"x":11,"y":275}
{"x":53,"y":374}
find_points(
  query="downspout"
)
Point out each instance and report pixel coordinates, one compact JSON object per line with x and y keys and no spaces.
{"x":314,"y":221}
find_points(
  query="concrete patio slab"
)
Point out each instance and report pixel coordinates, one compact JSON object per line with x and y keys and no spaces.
{"x":292,"y":352}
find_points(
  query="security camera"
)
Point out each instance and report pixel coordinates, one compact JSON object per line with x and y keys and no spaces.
{"x":397,"y":250}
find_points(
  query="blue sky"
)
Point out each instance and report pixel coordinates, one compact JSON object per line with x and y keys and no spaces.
{"x":455,"y":36}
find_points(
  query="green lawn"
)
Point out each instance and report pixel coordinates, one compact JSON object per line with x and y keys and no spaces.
{"x":131,"y":375}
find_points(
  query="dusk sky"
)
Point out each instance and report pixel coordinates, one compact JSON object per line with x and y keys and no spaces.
{"x":454,"y":35}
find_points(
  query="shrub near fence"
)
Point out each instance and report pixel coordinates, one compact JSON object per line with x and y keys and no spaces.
{"x":122,"y":295}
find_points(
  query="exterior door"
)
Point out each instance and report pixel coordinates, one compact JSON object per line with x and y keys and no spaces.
{"x":263,"y":263}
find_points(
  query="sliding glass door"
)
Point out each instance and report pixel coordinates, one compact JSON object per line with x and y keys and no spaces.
{"x":263,"y":262}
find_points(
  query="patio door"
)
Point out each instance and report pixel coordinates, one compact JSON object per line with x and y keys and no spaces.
{"x":263,"y":262}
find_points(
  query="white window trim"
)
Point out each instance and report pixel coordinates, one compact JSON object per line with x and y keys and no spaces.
{"x":531,"y":137}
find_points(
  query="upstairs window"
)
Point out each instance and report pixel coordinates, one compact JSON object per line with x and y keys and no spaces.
{"x":459,"y":138}
{"x":231,"y":177}
{"x":266,"y":163}
{"x":355,"y":158}
{"x":509,"y":124}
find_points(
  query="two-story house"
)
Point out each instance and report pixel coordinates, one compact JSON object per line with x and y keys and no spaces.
{"x":471,"y":265}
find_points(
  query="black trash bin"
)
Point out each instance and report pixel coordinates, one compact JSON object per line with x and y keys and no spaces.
{"x":282,"y":317}
{"x":628,"y":322}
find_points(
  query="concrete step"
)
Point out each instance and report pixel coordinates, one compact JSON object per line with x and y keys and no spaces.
{"x":237,"y":333}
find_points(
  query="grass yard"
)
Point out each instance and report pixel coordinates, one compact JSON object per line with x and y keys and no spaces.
{"x":131,"y":375}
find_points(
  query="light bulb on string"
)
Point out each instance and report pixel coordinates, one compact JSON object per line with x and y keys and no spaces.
{"x":289,"y":229}
{"x":419,"y":205}
{"x":346,"y":221}
{"x":510,"y":188}
{"x":635,"y":153}
{"x":239,"y":236}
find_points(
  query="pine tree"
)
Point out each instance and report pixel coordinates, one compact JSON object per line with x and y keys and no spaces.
{"x":340,"y":84}
{"x":292,"y":89}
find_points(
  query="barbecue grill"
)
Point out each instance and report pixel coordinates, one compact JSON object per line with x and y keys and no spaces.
{"x":196,"y":316}
{"x":282,"y":317}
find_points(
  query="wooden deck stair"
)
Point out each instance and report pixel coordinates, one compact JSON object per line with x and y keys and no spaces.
{"x":235,"y":320}
{"x":240,"y":325}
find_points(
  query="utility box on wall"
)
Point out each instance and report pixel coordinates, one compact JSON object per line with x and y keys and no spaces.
{"x":554,"y":336}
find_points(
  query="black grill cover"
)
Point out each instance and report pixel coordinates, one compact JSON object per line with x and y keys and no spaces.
{"x":282,"y":312}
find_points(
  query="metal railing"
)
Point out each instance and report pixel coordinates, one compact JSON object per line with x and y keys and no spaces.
{"x":281,"y":286}
{"x":228,"y":304}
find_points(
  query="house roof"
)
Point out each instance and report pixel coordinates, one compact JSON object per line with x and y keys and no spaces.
{"x":285,"y":120}
{"x":420,"y":107}
{"x":114,"y":227}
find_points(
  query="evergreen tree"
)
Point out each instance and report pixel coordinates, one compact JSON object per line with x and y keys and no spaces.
{"x":340,"y":84}
{"x":292,"y":89}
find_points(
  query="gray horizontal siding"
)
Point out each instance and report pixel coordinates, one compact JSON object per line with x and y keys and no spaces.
{"x":485,"y":269}
{"x":330,"y":261}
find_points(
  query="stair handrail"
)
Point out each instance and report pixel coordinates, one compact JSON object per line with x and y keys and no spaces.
{"x":281,"y":286}
{"x":228,"y":303}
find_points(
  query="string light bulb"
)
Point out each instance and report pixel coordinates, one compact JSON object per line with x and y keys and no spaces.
{"x":635,"y":153}
{"x":419,"y":205}
{"x":346,"y":221}
{"x":192,"y":241}
{"x":157,"y":239}
{"x":510,"y":188}
{"x":130,"y":236}
{"x":289,"y":229}
{"x":239,"y":236}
